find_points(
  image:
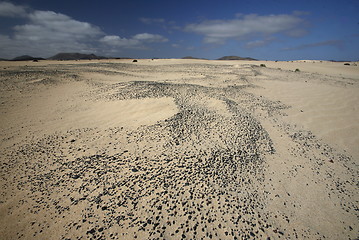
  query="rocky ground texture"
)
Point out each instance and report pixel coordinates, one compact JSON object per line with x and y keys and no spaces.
{"x":225,"y":166}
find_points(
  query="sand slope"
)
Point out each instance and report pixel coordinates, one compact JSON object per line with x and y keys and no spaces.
{"x":328,"y":110}
{"x":178,"y":149}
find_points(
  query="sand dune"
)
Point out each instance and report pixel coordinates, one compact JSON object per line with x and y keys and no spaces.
{"x":330,"y":112}
{"x":178,"y":149}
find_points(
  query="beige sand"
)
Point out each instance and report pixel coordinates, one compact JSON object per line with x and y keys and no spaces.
{"x":171,"y":149}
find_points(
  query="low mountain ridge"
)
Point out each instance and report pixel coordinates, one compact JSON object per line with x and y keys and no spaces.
{"x":190,"y":57}
{"x":236,"y":58}
{"x":75,"y":56}
{"x":26,"y":58}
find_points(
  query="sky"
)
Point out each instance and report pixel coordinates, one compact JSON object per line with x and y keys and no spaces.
{"x":265,"y":30}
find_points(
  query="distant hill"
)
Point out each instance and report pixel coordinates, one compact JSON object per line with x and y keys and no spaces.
{"x":26,"y":58}
{"x":75,"y":56}
{"x":236,"y":58}
{"x":190,"y":57}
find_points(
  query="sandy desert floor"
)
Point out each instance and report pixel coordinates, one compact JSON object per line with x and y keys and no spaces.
{"x":179,"y":149}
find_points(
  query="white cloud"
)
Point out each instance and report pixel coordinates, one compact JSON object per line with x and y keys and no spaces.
{"x":51,"y":26}
{"x":150,"y":37}
{"x":136,"y":41}
{"x":218,"y":31}
{"x":8,"y":9}
{"x":12,"y":47}
{"x":46,"y":33}
{"x":117,"y":41}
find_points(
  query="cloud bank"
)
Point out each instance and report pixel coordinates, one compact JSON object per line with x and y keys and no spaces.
{"x":46,"y":33}
{"x":137,"y":41}
{"x":54,"y":27}
{"x":247,"y":26}
{"x":8,"y":9}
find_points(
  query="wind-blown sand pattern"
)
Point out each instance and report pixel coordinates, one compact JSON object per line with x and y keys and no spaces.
{"x":179,"y":149}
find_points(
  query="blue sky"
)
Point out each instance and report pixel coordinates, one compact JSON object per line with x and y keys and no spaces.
{"x":267,"y":30}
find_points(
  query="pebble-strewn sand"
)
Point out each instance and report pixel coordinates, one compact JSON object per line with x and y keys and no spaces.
{"x":179,"y":149}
